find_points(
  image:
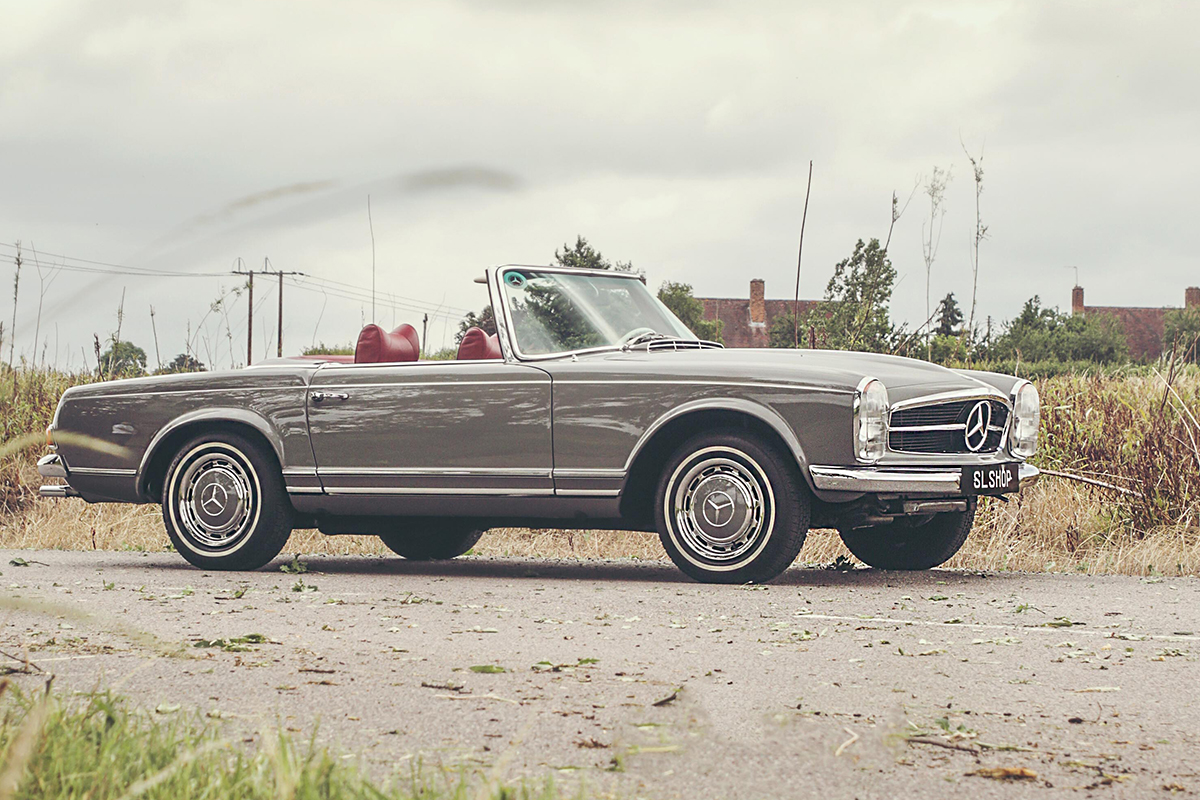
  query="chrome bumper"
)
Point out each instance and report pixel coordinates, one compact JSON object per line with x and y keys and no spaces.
{"x":898,"y":480}
{"x":52,"y":466}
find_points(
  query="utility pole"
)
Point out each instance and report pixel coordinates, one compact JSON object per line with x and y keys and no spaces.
{"x":279,"y":338}
{"x":424,"y":328}
{"x":250,"y":311}
{"x":250,"y":323}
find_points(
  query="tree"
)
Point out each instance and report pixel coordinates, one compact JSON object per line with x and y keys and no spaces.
{"x":584,"y":256}
{"x":485,"y":319}
{"x":123,"y":360}
{"x":854,"y":313}
{"x":949,"y":316}
{"x":1181,"y":329}
{"x":184,"y":362}
{"x":679,"y":298}
{"x":1046,"y":334}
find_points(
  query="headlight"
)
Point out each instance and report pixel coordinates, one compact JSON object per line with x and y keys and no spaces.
{"x":1026,"y":419}
{"x":870,"y":420}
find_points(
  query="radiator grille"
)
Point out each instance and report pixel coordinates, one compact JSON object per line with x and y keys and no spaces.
{"x":909,"y":428}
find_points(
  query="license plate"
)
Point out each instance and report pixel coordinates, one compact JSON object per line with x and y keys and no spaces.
{"x":990,"y":479}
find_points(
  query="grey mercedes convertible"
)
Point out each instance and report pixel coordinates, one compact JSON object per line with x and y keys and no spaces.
{"x":591,"y":406}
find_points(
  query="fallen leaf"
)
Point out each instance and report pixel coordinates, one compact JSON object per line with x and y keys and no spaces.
{"x":671,"y":698}
{"x":488,"y":669}
{"x":1006,"y":773}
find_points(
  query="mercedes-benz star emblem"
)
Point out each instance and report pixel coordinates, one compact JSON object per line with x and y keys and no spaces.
{"x":718,"y":509}
{"x":976,"y":431}
{"x":213,"y":499}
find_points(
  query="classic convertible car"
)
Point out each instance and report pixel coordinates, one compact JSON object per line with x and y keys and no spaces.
{"x":592,"y":406}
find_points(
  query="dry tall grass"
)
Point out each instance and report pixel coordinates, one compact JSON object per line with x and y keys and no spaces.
{"x":1131,"y":430}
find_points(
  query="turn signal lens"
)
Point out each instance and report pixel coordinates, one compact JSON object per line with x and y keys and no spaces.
{"x":870,"y":420}
{"x":50,"y":436}
{"x":1027,"y":413}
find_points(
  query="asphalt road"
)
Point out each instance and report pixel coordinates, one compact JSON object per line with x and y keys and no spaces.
{"x":628,"y":678}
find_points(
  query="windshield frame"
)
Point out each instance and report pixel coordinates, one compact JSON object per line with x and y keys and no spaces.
{"x":505,"y":320}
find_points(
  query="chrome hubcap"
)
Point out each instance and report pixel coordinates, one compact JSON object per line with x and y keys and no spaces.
{"x":720,"y":510}
{"x":216,"y":500}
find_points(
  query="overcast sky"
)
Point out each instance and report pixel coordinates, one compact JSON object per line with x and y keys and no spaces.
{"x":179,"y":137}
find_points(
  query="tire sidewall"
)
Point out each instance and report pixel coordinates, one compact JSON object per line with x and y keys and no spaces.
{"x":788,"y":511}
{"x":271,"y":516}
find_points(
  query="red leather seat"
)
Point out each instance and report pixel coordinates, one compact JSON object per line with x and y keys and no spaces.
{"x":476,"y":344}
{"x":377,"y":346}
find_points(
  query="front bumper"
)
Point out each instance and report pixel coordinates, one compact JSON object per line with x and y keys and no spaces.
{"x":52,"y":466}
{"x":901,"y":480}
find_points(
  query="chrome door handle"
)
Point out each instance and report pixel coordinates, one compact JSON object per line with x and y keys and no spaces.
{"x":317,"y":397}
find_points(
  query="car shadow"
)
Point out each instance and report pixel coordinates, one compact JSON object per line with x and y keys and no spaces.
{"x":616,"y":571}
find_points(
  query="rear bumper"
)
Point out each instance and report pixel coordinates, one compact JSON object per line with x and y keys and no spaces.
{"x":52,"y":466}
{"x":898,"y":480}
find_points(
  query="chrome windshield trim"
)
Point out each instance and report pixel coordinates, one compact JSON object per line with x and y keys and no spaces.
{"x":510,"y":337}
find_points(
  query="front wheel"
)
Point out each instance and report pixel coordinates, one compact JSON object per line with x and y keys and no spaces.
{"x":432,"y":542}
{"x":731,"y":509}
{"x":912,"y":545}
{"x":224,"y":503}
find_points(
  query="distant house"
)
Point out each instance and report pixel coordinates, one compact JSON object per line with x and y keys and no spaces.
{"x":1143,"y":327}
{"x":747,"y":321}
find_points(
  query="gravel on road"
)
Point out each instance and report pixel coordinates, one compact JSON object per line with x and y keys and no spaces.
{"x":625,"y":678}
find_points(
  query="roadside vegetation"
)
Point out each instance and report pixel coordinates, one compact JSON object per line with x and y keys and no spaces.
{"x":96,"y":745}
{"x":1126,"y":439}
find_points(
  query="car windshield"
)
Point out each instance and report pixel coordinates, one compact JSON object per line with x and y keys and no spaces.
{"x":558,"y":312}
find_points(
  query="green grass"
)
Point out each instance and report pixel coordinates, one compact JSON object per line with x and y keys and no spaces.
{"x":98,"y":746}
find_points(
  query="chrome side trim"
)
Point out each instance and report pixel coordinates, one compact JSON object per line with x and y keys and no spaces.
{"x":112,"y":473}
{"x":52,"y":466}
{"x":587,"y":492}
{"x":57,"y":491}
{"x":589,"y":473}
{"x":296,"y":472}
{"x":537,"y":381}
{"x":434,"y":471}
{"x":662,"y":382}
{"x":304,"y":490}
{"x":440,"y":491}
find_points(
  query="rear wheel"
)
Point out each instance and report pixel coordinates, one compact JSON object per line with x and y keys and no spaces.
{"x":910,"y":545}
{"x":224,"y":503}
{"x":432,"y":542}
{"x":730,"y":509}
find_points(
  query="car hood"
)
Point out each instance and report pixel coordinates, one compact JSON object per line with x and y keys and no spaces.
{"x":837,"y":370}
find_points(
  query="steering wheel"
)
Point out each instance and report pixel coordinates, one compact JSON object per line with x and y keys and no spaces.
{"x":633,"y":334}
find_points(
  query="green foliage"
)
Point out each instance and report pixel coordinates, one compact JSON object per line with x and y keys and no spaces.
{"x":854,"y":313}
{"x":484,"y":320}
{"x":583,"y":256}
{"x":100,"y":748}
{"x":949,"y":317}
{"x":683,"y":303}
{"x":1181,"y":329}
{"x":323,"y":349}
{"x":1042,"y":334}
{"x":184,"y":362}
{"x":123,"y":360}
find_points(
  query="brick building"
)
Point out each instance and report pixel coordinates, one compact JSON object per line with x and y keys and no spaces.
{"x":1143,"y":327}
{"x":747,"y":322}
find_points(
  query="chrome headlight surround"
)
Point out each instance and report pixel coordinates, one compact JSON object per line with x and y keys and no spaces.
{"x":1026,"y":418}
{"x":870,"y":420}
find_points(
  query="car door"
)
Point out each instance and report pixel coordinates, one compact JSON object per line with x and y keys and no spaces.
{"x":426,"y":428}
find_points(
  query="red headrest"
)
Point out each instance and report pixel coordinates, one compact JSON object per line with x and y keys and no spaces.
{"x":477,"y":344}
{"x":376,"y":346}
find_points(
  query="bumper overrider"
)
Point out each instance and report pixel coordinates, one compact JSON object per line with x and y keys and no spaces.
{"x":52,"y":466}
{"x":903,"y":480}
